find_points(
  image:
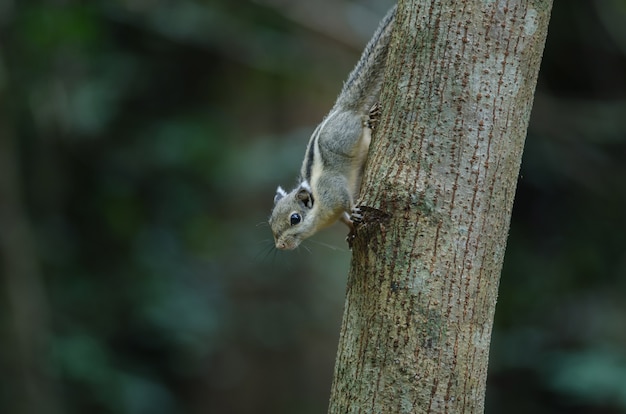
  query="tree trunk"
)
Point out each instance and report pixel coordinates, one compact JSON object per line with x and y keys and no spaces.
{"x":437,"y":197}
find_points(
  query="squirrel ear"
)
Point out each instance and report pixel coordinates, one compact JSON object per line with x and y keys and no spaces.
{"x":305,"y":197}
{"x":280,"y":193}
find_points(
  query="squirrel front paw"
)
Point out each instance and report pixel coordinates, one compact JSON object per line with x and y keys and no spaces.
{"x":356,"y":216}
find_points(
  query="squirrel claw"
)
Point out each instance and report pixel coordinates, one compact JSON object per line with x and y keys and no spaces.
{"x":356,"y":216}
{"x":373,"y":116}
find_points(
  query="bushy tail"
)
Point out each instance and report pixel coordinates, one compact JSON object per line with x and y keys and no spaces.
{"x":363,"y":86}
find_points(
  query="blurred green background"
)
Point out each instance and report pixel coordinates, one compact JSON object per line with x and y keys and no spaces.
{"x":140,"y":145}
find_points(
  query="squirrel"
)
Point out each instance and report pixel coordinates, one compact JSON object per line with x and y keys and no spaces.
{"x":330,"y":177}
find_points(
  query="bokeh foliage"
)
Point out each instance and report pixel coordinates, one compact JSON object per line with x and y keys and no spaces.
{"x":140,"y":145}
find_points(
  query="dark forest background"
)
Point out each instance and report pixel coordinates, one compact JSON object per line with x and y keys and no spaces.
{"x":141,"y":142}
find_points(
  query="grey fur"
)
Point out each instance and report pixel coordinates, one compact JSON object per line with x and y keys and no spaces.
{"x":362,"y":88}
{"x":333,"y":163}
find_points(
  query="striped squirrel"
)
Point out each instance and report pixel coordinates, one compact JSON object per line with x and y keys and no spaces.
{"x":330,"y":177}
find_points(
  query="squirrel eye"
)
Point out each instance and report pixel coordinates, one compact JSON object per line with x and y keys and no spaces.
{"x":295,"y":219}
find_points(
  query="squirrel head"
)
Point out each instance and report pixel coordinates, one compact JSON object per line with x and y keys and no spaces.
{"x":288,"y":220}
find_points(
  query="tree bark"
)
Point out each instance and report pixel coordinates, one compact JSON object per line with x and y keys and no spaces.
{"x":437,"y":196}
